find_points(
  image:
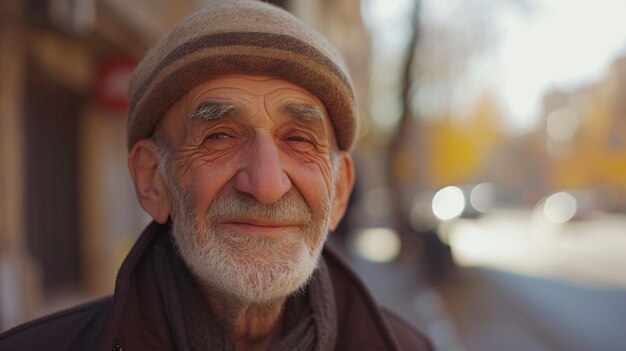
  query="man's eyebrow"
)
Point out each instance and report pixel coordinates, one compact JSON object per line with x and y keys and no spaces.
{"x":211,"y":111}
{"x":305,"y":112}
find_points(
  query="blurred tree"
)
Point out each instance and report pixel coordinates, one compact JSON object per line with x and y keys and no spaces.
{"x":402,"y":163}
{"x":460,"y":148}
{"x":440,"y":60}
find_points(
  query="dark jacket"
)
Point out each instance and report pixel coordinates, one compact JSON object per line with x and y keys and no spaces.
{"x":134,"y":318}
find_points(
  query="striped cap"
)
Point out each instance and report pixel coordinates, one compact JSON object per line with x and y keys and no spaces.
{"x":240,"y":37}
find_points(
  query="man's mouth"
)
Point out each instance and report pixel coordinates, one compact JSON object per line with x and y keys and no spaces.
{"x":260,"y":226}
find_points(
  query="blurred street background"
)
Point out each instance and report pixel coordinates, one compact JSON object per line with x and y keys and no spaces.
{"x":490,"y":204}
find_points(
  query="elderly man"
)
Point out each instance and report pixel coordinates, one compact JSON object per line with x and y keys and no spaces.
{"x":239,"y":132}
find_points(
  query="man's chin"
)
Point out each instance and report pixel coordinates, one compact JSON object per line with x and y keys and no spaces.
{"x":263,"y":287}
{"x":253,"y":275}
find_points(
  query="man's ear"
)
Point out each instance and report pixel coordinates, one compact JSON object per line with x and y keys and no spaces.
{"x":343,"y":188}
{"x":143,"y":163}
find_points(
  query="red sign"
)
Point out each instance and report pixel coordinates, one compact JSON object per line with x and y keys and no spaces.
{"x":111,"y":85}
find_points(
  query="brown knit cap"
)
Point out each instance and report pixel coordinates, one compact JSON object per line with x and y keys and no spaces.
{"x":240,"y":37}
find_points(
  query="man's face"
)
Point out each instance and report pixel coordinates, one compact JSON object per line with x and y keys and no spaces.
{"x":251,"y":183}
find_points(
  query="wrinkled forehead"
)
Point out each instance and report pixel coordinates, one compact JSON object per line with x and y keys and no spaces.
{"x":242,"y":90}
{"x":246,"y":86}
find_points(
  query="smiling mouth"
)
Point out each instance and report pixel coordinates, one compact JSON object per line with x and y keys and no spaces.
{"x":260,"y":226}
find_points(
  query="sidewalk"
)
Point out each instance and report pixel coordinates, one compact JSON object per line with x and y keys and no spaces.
{"x":398,"y":286}
{"x":496,"y":310}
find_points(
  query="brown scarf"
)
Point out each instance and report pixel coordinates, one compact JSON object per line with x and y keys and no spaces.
{"x":310,"y":321}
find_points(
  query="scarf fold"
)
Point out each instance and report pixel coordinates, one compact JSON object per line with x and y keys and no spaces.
{"x":309,"y":317}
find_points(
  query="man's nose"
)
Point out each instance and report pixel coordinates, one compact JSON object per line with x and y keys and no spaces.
{"x":262,"y":174}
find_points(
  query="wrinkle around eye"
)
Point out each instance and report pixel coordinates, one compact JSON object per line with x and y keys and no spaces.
{"x":192,"y":157}
{"x":305,"y":141}
{"x":321,"y":166}
{"x":220,"y":133}
{"x":314,"y":155}
{"x":312,"y":148}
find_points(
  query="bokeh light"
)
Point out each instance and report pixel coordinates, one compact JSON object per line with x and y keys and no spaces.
{"x":482,"y":197}
{"x":563,"y":123}
{"x":377,"y":244}
{"x":448,"y":203}
{"x":560,"y":207}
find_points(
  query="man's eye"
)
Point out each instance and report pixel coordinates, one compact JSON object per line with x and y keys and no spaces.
{"x":298,"y":139}
{"x":215,"y":136}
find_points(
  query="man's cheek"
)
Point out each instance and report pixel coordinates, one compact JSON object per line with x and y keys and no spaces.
{"x":324,"y":167}
{"x":205,"y":185}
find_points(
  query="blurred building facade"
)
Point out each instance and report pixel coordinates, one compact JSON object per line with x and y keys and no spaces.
{"x":67,"y":206}
{"x":68,"y":214}
{"x":580,"y":144}
{"x":585,"y":133}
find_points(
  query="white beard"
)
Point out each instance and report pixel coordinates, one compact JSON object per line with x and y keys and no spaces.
{"x":249,"y":268}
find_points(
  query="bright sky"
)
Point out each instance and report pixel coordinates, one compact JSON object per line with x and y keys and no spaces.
{"x":556,"y":44}
{"x":567,"y":43}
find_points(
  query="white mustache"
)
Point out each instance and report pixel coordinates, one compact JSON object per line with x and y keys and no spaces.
{"x":233,"y":204}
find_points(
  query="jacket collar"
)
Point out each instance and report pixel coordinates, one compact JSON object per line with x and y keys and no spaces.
{"x":357,"y":312}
